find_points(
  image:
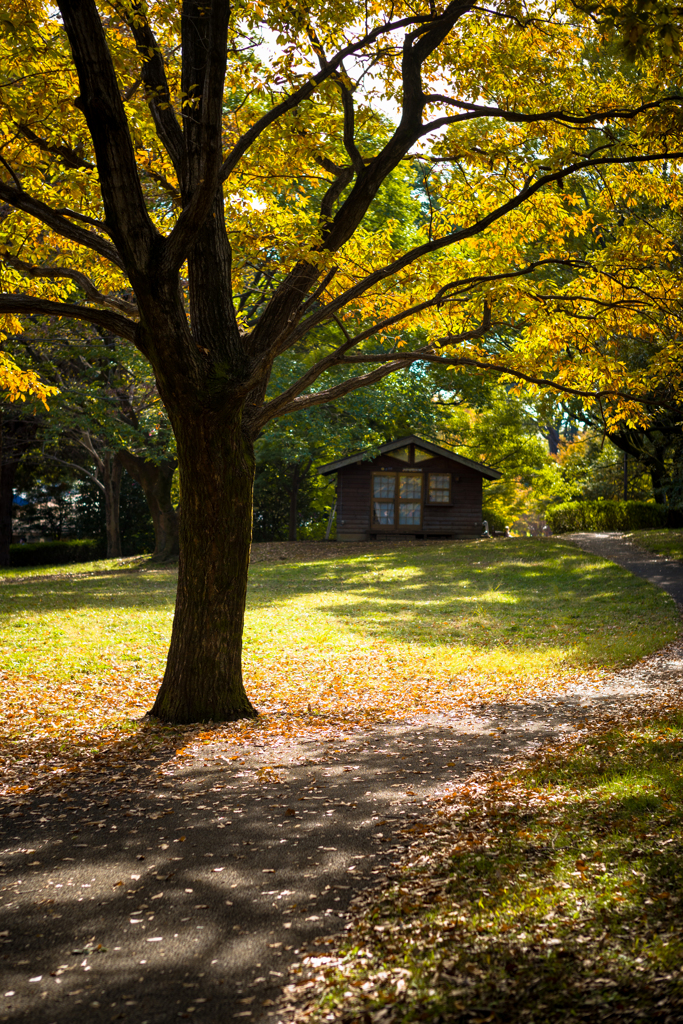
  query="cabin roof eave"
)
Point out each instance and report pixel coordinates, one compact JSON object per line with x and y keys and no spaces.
{"x":401,"y":442}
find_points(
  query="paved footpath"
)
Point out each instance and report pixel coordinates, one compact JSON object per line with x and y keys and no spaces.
{"x":186,"y":890}
{"x":621,"y":548}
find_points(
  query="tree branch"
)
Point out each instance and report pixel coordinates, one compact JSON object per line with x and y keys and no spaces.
{"x":153,"y":73}
{"x":70,"y":158}
{"x":349,"y":128}
{"x":83,"y":282}
{"x":338,"y":391}
{"x":476,"y":228}
{"x":558,"y":116}
{"x":203,"y":141}
{"x":79,"y":469}
{"x":32,"y":305}
{"x":58,"y":222}
{"x":124,"y":203}
{"x":447,"y":293}
{"x":307,"y":89}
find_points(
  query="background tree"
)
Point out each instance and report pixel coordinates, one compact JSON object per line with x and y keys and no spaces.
{"x":106,"y":418}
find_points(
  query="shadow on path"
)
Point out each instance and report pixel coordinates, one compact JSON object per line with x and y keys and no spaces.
{"x":181,"y":892}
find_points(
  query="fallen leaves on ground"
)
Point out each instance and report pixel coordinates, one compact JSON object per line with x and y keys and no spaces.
{"x":331,"y":644}
{"x":542,"y":893}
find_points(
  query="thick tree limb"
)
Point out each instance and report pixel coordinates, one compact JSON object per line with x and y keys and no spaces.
{"x":338,"y":391}
{"x":339,"y":356}
{"x":124,"y":203}
{"x":153,"y":72}
{"x":308,"y":88}
{"x":83,"y":282}
{"x":59,"y":222}
{"x":203,"y":126}
{"x":32,"y":305}
{"x":476,"y":228}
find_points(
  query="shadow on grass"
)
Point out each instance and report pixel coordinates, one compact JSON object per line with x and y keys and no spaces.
{"x":523,"y":594}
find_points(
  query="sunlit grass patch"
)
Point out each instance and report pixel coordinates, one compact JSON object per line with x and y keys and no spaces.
{"x":328,"y":643}
{"x":661,"y":542}
{"x":552,"y":896}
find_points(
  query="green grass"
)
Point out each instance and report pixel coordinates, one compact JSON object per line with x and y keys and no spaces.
{"x":8,"y":574}
{"x":554,"y":897}
{"x":475,"y":607}
{"x":329,"y":644}
{"x":661,"y":542}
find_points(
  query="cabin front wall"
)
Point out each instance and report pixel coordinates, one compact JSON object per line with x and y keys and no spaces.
{"x":460,"y":517}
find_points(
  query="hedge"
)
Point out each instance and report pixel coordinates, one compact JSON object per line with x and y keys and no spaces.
{"x":605,"y":515}
{"x":56,"y":552}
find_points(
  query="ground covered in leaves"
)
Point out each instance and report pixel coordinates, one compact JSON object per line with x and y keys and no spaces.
{"x":550,"y":893}
{"x":375,"y":633}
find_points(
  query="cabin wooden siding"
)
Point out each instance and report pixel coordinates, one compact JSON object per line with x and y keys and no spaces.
{"x":461,"y":518}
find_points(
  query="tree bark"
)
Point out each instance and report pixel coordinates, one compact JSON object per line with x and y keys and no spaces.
{"x":156,"y":480}
{"x":293,"y":496}
{"x":8,"y":470}
{"x":203,"y":678}
{"x":112,"y":471}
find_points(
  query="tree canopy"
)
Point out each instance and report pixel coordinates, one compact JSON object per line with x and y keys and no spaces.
{"x":217,"y":184}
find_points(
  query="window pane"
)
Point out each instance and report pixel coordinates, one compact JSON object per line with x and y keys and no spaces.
{"x":410,"y":485}
{"x":421,"y":455}
{"x":383,"y":513}
{"x":409,"y":513}
{"x":384,"y":486}
{"x":403,"y":454}
{"x":439,"y":488}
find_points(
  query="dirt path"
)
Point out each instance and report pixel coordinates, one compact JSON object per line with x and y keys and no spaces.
{"x":182,"y":891}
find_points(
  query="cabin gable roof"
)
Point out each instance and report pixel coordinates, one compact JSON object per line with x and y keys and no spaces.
{"x":401,"y":442}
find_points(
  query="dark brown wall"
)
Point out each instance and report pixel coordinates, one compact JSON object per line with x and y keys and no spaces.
{"x":462,"y":518}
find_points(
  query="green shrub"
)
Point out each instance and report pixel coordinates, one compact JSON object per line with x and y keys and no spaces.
{"x":605,"y":515}
{"x":56,"y":552}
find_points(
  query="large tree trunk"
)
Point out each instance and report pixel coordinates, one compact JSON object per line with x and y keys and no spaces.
{"x":156,"y":480}
{"x":111,"y":479}
{"x":203,"y":678}
{"x":8,"y":470}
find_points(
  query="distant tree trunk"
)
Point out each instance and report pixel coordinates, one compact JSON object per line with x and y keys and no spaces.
{"x":156,"y":480}
{"x":298,"y":475}
{"x":112,"y":471}
{"x":8,"y":470}
{"x":553,"y":439}
{"x":293,"y":497}
{"x":108,"y":480}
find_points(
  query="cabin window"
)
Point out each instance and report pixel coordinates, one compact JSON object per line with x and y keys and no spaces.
{"x":410,"y":499}
{"x":421,"y":456}
{"x":383,"y":495}
{"x":439,"y":488}
{"x":402,"y":454}
{"x":397,"y":499}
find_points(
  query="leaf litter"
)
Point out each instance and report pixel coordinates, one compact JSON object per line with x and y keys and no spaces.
{"x":331,"y":644}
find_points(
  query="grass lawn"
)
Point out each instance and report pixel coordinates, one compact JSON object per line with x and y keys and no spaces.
{"x":661,"y":542}
{"x":553,"y":896}
{"x":329,"y":641}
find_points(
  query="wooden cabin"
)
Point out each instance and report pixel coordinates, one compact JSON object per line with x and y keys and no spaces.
{"x":412,"y":489}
